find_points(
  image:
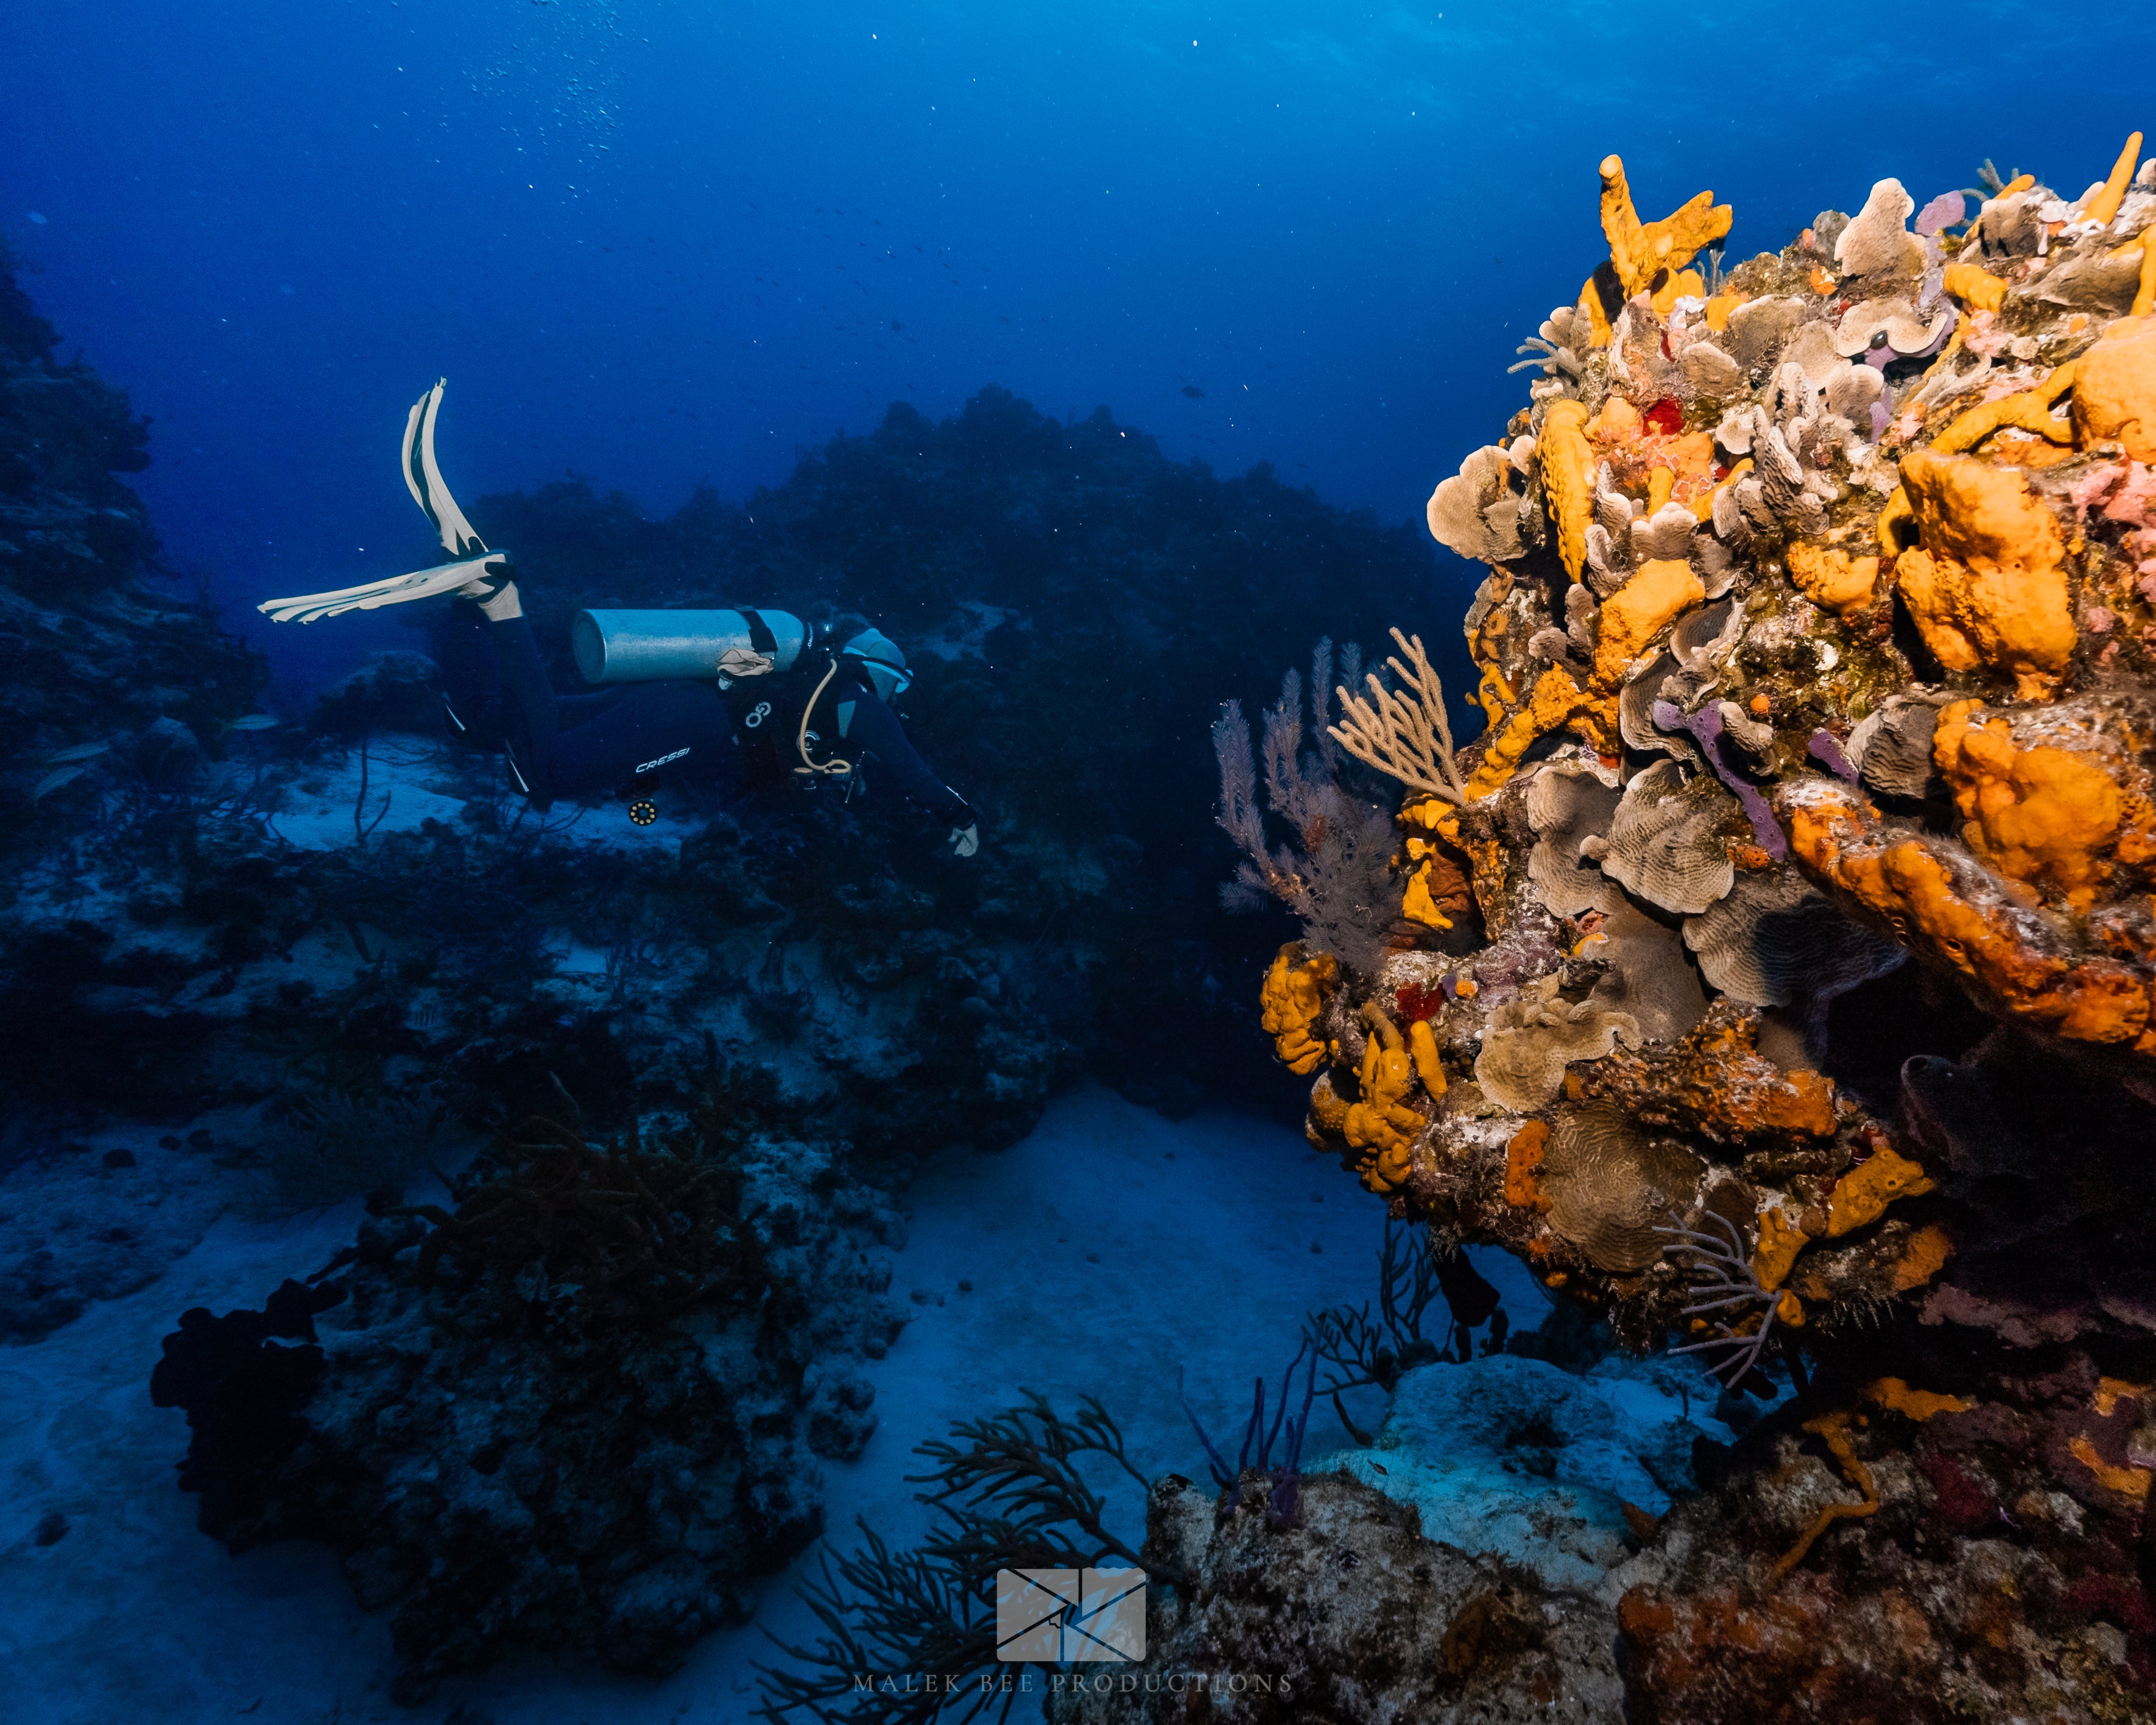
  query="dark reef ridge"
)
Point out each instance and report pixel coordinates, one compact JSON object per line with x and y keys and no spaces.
{"x":90,"y":650}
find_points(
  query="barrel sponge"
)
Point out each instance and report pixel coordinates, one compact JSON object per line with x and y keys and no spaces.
{"x":2101,"y":208}
{"x":1862,"y":1195}
{"x":1611,"y":1187}
{"x":1523,"y":1157}
{"x":1775,"y":1254}
{"x":2046,"y":815}
{"x":1647,"y":255}
{"x":1828,"y":576}
{"x":1381,"y":1124}
{"x":1974,"y":286}
{"x":1530,"y":1041}
{"x":2115,"y":389}
{"x":1290,"y":999}
{"x":1429,"y":1064}
{"x":1987,"y":586}
{"x":1555,"y":701}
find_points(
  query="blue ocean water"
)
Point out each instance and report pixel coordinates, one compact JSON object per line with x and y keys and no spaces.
{"x":661,"y":245}
{"x":669,"y":250}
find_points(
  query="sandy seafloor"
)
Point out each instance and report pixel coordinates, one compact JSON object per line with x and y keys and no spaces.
{"x":1109,"y":1247}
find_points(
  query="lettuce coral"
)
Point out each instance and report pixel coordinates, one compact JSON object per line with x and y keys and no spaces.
{"x":1531,"y":1041}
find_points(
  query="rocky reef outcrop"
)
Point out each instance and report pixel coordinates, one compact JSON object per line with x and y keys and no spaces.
{"x":1468,"y":1563}
{"x":1773,"y":974}
{"x":1358,"y":1614}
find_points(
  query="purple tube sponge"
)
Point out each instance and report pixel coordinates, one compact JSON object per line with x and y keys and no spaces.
{"x":1827,"y":751}
{"x":1705,"y":727}
{"x":1284,"y":1502}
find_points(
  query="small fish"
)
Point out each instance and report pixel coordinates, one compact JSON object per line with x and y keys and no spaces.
{"x":1193,"y":391}
{"x":253,"y":722}
{"x":54,"y":781}
{"x":80,"y":752}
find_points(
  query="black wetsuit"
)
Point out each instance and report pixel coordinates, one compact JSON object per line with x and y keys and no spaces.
{"x":578,"y":745}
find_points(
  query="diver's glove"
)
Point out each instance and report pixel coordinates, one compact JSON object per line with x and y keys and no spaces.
{"x":966,"y":841}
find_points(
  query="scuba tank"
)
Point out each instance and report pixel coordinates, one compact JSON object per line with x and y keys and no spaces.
{"x":656,"y":646}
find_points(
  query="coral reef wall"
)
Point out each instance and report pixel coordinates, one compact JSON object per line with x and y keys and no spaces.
{"x":1775,"y":974}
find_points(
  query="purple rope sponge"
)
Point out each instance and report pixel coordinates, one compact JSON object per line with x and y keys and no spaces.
{"x":1705,"y":726}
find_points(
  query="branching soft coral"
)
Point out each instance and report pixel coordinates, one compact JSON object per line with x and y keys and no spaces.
{"x":1335,"y":873}
{"x":1408,"y":740}
{"x":1413,"y":1270}
{"x":1011,"y":1496}
{"x":1720,"y":1275}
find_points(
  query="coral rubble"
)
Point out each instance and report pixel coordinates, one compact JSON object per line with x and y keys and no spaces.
{"x":1818,"y":656}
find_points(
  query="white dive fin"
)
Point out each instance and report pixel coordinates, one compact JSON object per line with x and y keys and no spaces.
{"x":372,"y":595}
{"x":424,"y":478}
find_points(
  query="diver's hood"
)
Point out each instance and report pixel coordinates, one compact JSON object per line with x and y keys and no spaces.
{"x":878,"y":655}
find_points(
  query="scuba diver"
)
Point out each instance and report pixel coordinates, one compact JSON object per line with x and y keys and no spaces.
{"x":714,"y":693}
